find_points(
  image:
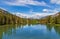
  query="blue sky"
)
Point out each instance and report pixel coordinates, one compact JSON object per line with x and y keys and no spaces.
{"x":31,"y":7}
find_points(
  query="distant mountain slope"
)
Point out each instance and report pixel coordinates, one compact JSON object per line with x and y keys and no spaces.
{"x":51,"y":19}
{"x":8,"y":18}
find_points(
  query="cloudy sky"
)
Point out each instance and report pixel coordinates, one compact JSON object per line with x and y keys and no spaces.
{"x":31,"y":7}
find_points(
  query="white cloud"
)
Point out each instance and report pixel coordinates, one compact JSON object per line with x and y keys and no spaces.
{"x":55,"y":1}
{"x":22,"y":15}
{"x":26,"y":2}
{"x":33,"y":15}
{"x":3,"y":8}
{"x":45,"y":10}
{"x":41,"y":14}
{"x":50,"y":11}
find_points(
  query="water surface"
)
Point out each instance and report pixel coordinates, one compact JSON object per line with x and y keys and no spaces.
{"x":37,"y":31}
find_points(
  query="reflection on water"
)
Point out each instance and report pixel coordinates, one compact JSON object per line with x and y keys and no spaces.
{"x":29,"y":31}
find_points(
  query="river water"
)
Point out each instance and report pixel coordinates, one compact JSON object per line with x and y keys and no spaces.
{"x":25,"y":31}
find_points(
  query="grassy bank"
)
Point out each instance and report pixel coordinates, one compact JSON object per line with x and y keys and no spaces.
{"x":53,"y":24}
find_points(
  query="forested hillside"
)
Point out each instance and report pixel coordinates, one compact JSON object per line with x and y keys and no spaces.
{"x":52,"y":19}
{"x":8,"y":18}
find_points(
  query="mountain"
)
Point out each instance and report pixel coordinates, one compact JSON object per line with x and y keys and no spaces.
{"x":8,"y":18}
{"x":33,"y":16}
{"x":51,"y":19}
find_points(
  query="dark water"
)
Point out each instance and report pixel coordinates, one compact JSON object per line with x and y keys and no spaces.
{"x":37,"y":31}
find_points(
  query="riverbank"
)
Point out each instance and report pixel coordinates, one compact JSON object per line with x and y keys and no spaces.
{"x":53,"y":24}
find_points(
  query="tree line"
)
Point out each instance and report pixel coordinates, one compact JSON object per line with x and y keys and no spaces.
{"x":52,"y":19}
{"x":8,"y":18}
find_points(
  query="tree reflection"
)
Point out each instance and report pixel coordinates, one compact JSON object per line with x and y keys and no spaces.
{"x":49,"y":27}
{"x":12,"y":29}
{"x":57,"y":29}
{"x":8,"y":29}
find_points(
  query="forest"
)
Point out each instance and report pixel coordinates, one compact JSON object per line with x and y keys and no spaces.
{"x":51,"y":19}
{"x":8,"y":18}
